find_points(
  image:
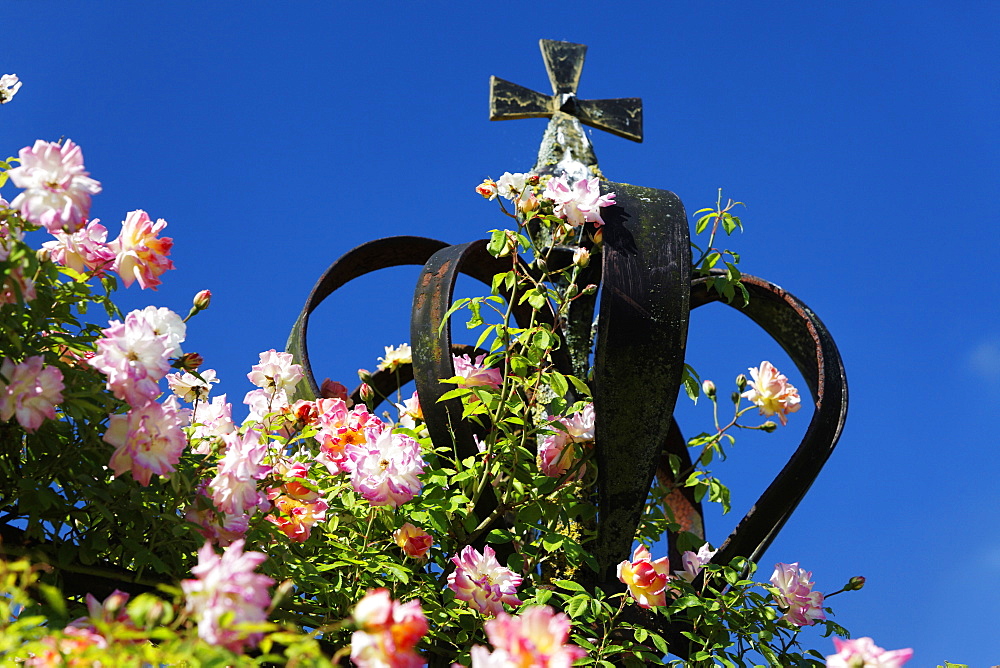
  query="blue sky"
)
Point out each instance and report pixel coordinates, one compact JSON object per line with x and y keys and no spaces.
{"x":862,"y":137}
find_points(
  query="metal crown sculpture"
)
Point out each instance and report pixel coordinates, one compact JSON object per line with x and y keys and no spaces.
{"x":648,"y":292}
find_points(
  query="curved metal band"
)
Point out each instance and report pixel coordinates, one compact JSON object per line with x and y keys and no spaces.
{"x":639,"y":359}
{"x":366,"y":258}
{"x":803,"y":336}
{"x":429,"y":339}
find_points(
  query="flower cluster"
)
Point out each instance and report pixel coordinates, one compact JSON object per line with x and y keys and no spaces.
{"x":388,"y":632}
{"x":227,"y":585}
{"x":537,"y":637}
{"x":864,"y":653}
{"x":559,"y":452}
{"x":646,"y":579}
{"x":772,"y":393}
{"x":298,"y":506}
{"x":340,"y":429}
{"x":134,"y":355}
{"x":794,"y":594}
{"x":480,"y":580}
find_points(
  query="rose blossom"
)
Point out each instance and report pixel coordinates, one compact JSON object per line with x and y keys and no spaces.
{"x":864,"y":653}
{"x":646,"y":579}
{"x":84,"y":250}
{"x":480,"y":580}
{"x":794,"y":594}
{"x":275,"y":372}
{"x":148,"y":439}
{"x":189,"y":387}
{"x":558,"y":452}
{"x":772,"y":393}
{"x":395,"y":357}
{"x":140,"y":254}
{"x":227,"y":584}
{"x":537,"y":637}
{"x":133,"y":357}
{"x":410,"y":412}
{"x":694,"y":561}
{"x":32,"y":391}
{"x":385,"y":469}
{"x":474,"y":373}
{"x":488,"y":189}
{"x":580,"y":204}
{"x":212,"y":419}
{"x":57,"y":188}
{"x":414,"y":541}
{"x":9,"y":85}
{"x":388,"y":632}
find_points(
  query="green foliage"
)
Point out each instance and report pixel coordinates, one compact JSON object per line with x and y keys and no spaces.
{"x":84,"y":521}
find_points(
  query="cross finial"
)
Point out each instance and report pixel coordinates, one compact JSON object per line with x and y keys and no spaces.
{"x":564,"y":63}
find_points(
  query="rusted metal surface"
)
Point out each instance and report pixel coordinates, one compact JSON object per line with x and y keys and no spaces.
{"x":564,"y":62}
{"x":639,"y":360}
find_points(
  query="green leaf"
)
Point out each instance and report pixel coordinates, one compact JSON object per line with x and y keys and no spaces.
{"x":577,"y":605}
{"x":569,"y":585}
{"x":498,"y":242}
{"x":558,"y":383}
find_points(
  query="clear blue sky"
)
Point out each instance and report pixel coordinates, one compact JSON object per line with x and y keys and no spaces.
{"x":863,"y":136}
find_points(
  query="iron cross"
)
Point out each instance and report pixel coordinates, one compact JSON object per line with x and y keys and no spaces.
{"x":564,"y":62}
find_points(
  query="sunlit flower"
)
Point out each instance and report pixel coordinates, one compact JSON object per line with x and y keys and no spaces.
{"x":165,"y":323}
{"x":9,"y":85}
{"x":414,"y":541}
{"x":693,"y":562}
{"x":480,"y":580}
{"x":558,"y":452}
{"x":488,"y":189}
{"x":475,"y":373}
{"x":134,"y":358}
{"x":225,"y":586}
{"x":795,"y":596}
{"x":275,"y":372}
{"x":864,"y":653}
{"x":410,"y":412}
{"x":189,"y":387}
{"x":394,"y":357}
{"x":580,"y":204}
{"x":140,"y":253}
{"x":148,"y":439}
{"x":295,"y":517}
{"x":211,"y":420}
{"x":388,"y":632}
{"x":646,"y":579}
{"x":83,"y":251}
{"x":384,"y":470}
{"x":772,"y":393}
{"x":32,"y":391}
{"x":234,"y":488}
{"x":536,"y":637}
{"x":57,"y":188}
